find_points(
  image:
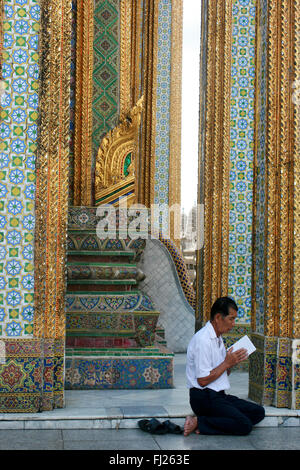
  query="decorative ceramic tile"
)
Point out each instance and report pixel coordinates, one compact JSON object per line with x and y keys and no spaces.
{"x":119,"y":373}
{"x":106,"y":69}
{"x":110,"y":302}
{"x":241,"y":156}
{"x":21,"y":376}
{"x":161,"y":188}
{"x":17,"y":165}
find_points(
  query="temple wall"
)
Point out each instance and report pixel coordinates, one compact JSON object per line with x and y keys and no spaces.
{"x":274,"y":369}
{"x":249,"y":184}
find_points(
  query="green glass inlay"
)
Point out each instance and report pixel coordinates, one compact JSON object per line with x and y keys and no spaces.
{"x":127,"y":162}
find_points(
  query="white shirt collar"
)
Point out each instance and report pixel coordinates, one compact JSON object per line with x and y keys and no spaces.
{"x":211,"y":330}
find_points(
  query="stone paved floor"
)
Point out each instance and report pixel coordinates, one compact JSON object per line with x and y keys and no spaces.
{"x":135,"y":439}
{"x":65,"y":429}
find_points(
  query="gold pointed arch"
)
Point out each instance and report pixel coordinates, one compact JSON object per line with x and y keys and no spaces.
{"x":116,"y":161}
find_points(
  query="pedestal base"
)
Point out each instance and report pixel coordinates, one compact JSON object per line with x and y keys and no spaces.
{"x":274,"y":372}
{"x":140,"y":368}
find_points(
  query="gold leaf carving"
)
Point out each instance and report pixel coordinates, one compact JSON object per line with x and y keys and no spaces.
{"x":115,"y":146}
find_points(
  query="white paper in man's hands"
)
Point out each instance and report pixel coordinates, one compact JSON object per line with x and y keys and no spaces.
{"x":245,"y":343}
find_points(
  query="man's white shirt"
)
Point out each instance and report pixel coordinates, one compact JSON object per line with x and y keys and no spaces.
{"x":205,"y":352}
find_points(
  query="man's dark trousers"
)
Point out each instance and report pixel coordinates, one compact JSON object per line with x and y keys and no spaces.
{"x":221,"y":413}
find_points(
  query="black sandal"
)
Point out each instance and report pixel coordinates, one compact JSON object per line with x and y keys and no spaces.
{"x":153,"y":426}
{"x":172,"y":428}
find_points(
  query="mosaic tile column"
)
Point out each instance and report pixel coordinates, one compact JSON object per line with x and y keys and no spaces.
{"x":21,"y":374}
{"x":32,"y":204}
{"x":17,"y":164}
{"x":241,"y":156}
{"x":274,"y":368}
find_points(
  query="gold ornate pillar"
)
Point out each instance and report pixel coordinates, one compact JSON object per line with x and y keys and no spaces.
{"x":274,"y":368}
{"x":126,"y":38}
{"x":213,"y":192}
{"x":52,"y":196}
{"x":83,"y":113}
{"x":145,"y":166}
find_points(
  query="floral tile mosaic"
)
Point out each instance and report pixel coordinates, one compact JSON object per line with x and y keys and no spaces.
{"x":119,"y":373}
{"x":260,"y":178}
{"x":161,"y":188}
{"x":18,"y":130}
{"x":241,"y":156}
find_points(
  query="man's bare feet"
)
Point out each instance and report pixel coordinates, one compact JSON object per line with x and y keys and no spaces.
{"x":190,"y":425}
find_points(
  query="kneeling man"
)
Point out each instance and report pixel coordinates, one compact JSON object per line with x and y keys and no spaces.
{"x":207,"y":369}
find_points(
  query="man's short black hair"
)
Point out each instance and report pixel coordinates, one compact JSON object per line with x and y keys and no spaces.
{"x":222,"y":305}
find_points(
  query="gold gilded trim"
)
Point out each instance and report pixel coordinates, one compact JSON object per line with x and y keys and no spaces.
{"x":146,"y":163}
{"x":224,"y":235}
{"x":208,"y":161}
{"x":296,"y":90}
{"x":83,"y":112}
{"x":280,"y":164}
{"x":217,"y":153}
{"x":273,"y":180}
{"x":136,"y":48}
{"x":52,"y":169}
{"x":117,"y":187}
{"x":175,"y":112}
{"x":287,"y":171}
{"x":125,"y":55}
